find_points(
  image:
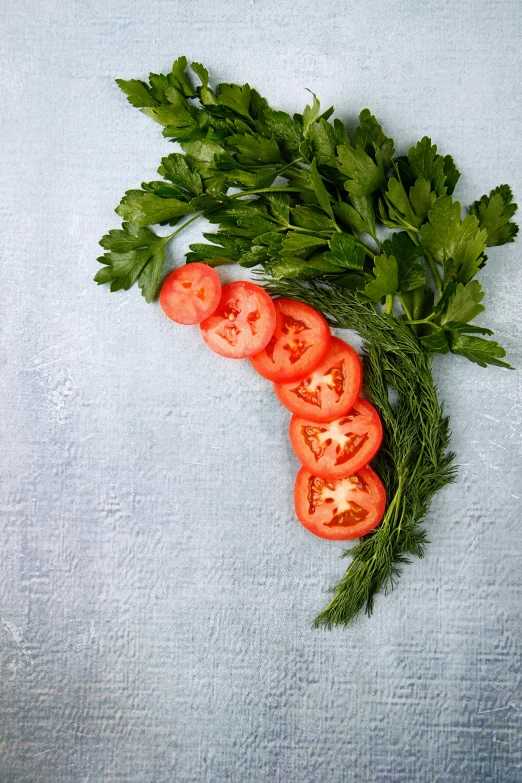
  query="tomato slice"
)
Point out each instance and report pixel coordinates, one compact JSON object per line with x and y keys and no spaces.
{"x":340,"y":509}
{"x":300,"y":342}
{"x":330,"y":390}
{"x":242,"y":323}
{"x":341,"y":447}
{"x":190,"y":293}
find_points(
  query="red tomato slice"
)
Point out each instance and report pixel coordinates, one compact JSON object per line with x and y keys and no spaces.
{"x":243,"y":322}
{"x":300,"y":342}
{"x":190,"y":293}
{"x":341,"y":447}
{"x":330,"y":390}
{"x":340,"y":509}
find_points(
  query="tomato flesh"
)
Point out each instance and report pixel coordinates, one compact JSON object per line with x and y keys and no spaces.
{"x":190,"y":293}
{"x":300,"y":341}
{"x":330,"y":390}
{"x":340,"y":447}
{"x":242,"y":323}
{"x":340,"y":509}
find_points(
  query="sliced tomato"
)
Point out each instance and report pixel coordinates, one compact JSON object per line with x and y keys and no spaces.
{"x":330,"y":390}
{"x":300,"y":342}
{"x":340,"y":509}
{"x":242,"y":323}
{"x":190,"y":293}
{"x":340,"y":447}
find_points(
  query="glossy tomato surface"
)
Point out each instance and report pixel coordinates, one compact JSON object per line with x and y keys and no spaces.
{"x":242,"y":323}
{"x":340,"y":509}
{"x":340,"y":447}
{"x":190,"y":293}
{"x":330,"y":390}
{"x":300,"y":342}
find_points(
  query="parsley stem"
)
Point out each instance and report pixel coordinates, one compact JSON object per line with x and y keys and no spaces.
{"x":426,"y":320}
{"x":411,"y":230}
{"x":270,"y":190}
{"x":301,"y":230}
{"x":366,"y":249}
{"x":405,"y":308}
{"x":434,"y":271}
{"x":186,"y":223}
{"x":289,"y":165}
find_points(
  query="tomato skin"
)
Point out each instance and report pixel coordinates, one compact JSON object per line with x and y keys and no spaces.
{"x":330,"y":390}
{"x":190,"y":293}
{"x":340,"y":509}
{"x":243,"y":322}
{"x":340,"y":447}
{"x":300,"y":342}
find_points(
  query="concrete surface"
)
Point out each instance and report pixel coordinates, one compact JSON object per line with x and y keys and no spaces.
{"x":156,"y":590}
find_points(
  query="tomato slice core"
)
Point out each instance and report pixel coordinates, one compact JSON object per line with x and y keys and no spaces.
{"x":242,"y":323}
{"x":330,"y":390}
{"x":339,"y":509}
{"x":190,"y":293}
{"x":340,"y":447}
{"x":300,"y":341}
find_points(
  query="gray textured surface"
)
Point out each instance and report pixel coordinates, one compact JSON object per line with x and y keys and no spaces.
{"x":156,"y":590}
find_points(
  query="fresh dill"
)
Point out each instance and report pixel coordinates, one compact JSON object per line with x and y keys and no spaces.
{"x":414,"y":461}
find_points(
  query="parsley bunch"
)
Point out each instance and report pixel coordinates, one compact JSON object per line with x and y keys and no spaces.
{"x":374,"y":239}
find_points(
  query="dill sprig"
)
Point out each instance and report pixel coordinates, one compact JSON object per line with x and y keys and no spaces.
{"x":414,"y":461}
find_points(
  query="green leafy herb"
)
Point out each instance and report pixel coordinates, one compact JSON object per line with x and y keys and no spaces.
{"x":133,"y":254}
{"x":379,"y":241}
{"x":494,"y":213}
{"x":414,"y":462}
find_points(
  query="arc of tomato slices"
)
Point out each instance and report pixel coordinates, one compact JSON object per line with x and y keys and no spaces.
{"x":190,"y":293}
{"x":340,"y":509}
{"x":242,"y":323}
{"x":330,"y":390}
{"x":340,"y":447}
{"x":300,"y":342}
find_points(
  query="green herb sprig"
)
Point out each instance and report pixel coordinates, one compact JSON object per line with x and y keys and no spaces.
{"x":414,"y":461}
{"x":374,"y":240}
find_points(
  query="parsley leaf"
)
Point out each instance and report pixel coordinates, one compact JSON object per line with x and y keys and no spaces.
{"x":255,"y":147}
{"x":134,"y":253}
{"x":323,"y":140}
{"x":411,"y":274}
{"x":447,"y":237}
{"x":386,"y":278}
{"x":236,"y":98}
{"x":179,"y":69}
{"x":300,"y":245}
{"x":311,"y":217}
{"x":422,"y":198}
{"x":320,"y":190}
{"x":224,"y":250}
{"x":399,"y":208}
{"x":137,"y":92}
{"x":359,"y":214}
{"x":344,"y":253}
{"x":464,"y":304}
{"x":279,"y":124}
{"x":494,"y":213}
{"x":365,"y":176}
{"x":279,"y":207}
{"x":310,"y":115}
{"x":439,"y":171}
{"x":371,"y":138}
{"x":145,"y":209}
{"x":478,"y":350}
{"x":174,"y":167}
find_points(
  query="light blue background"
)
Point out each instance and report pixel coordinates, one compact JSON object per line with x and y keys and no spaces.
{"x":156,"y":589}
